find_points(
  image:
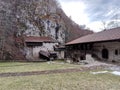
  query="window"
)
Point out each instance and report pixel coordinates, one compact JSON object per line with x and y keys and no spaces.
{"x":116,"y":52}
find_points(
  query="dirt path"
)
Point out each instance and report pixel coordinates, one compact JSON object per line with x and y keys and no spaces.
{"x":82,"y":69}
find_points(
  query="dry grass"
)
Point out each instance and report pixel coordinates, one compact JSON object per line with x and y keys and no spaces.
{"x":25,"y":67}
{"x":64,"y":81}
{"x":68,"y":81}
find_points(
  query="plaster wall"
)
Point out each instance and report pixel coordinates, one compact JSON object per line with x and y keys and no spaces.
{"x":33,"y":52}
{"x":111,"y":47}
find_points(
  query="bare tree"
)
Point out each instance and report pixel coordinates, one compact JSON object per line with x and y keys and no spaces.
{"x":113,"y":23}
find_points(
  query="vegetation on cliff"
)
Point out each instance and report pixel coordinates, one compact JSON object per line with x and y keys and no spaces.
{"x":20,"y":18}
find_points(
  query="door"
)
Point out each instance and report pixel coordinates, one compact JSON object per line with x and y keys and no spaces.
{"x":105,"y":54}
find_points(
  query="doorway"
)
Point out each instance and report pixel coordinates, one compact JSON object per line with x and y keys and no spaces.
{"x":105,"y":54}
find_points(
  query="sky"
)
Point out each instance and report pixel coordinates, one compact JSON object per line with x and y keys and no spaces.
{"x":91,"y":13}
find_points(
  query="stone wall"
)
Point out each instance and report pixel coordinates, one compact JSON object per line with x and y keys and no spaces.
{"x":111,"y":47}
{"x":32,"y":53}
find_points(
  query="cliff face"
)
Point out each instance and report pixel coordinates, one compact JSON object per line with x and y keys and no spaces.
{"x":20,"y":18}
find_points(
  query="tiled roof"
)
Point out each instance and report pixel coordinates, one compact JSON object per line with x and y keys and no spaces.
{"x":39,"y":39}
{"x":106,"y":35}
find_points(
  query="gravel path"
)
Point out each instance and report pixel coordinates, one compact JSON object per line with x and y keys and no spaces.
{"x":82,"y":69}
{"x":92,"y":62}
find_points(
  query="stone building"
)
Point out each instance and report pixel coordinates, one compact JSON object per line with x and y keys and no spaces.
{"x":104,"y":45}
{"x":39,"y":47}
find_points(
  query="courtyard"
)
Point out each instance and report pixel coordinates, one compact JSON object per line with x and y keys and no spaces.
{"x":58,"y":75}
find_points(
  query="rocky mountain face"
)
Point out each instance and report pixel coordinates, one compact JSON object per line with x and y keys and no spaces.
{"x":21,"y":18}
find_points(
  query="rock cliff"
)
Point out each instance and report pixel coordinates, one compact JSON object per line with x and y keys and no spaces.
{"x":21,"y":18}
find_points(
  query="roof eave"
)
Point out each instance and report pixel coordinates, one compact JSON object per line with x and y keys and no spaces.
{"x":93,"y":42}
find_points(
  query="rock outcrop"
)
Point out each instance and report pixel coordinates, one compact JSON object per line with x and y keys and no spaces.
{"x":21,"y":18}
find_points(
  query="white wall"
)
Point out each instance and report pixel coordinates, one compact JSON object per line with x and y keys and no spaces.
{"x":61,"y":54}
{"x":33,"y":53}
{"x":49,"y":46}
{"x":111,"y":46}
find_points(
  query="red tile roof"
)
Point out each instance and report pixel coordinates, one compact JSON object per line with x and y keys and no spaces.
{"x":39,"y":39}
{"x":107,"y":35}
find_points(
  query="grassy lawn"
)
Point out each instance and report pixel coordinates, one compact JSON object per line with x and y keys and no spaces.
{"x":36,"y":66}
{"x":67,"y":81}
{"x":63,"y":81}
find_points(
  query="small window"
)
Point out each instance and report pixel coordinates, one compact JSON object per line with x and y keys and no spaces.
{"x":116,"y":52}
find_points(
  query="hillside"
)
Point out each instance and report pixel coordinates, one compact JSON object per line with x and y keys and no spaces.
{"x":73,"y":30}
{"x":21,"y":18}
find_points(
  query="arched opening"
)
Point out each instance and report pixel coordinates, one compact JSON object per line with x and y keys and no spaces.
{"x":105,"y":54}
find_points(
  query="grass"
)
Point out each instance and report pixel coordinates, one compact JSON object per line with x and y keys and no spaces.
{"x":64,"y":81}
{"x":24,"y":67}
{"x":68,"y":81}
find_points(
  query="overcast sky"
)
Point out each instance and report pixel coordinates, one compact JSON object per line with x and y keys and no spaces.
{"x":91,"y":12}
